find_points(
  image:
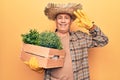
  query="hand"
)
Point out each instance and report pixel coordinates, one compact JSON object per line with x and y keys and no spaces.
{"x":82,"y":19}
{"x":34,"y":64}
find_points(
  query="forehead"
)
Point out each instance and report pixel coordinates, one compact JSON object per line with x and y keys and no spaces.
{"x":63,"y":14}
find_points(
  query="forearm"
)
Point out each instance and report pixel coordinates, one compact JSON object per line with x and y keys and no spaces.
{"x":98,"y":37}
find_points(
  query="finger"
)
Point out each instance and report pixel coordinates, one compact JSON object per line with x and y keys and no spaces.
{"x":41,"y":70}
{"x":77,"y":20}
{"x":79,"y":12}
{"x":31,"y":62}
{"x":80,"y":25}
{"x":84,"y":14}
{"x":26,"y":62}
{"x":36,"y":63}
{"x":76,"y":14}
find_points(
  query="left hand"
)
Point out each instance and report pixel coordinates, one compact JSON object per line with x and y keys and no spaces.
{"x":82,"y":19}
{"x":34,"y":64}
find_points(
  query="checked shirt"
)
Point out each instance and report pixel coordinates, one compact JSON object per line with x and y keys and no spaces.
{"x":80,"y":42}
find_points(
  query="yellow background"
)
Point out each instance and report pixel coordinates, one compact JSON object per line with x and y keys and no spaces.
{"x":18,"y":16}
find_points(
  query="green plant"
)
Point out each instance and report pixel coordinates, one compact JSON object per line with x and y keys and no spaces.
{"x":45,"y":39}
{"x":32,"y":37}
{"x":50,"y":39}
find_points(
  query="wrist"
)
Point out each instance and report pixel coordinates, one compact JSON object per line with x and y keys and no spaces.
{"x":92,"y":28}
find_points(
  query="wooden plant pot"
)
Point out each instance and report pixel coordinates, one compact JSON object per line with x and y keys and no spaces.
{"x":47,"y":57}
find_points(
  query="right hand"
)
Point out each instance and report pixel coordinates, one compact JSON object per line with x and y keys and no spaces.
{"x":34,"y":64}
{"x":82,"y":19}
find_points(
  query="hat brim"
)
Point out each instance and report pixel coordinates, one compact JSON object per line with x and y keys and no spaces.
{"x":53,"y":9}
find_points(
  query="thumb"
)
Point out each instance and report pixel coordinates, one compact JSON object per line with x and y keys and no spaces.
{"x":26,"y":62}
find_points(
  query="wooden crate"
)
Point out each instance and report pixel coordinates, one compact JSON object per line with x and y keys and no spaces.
{"x":47,"y":57}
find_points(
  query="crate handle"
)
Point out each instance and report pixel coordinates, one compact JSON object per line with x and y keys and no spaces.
{"x":56,"y":57}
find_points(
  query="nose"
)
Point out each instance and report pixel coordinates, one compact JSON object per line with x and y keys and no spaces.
{"x":63,"y":20}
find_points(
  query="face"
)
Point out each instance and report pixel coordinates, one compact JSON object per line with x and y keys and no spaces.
{"x":63,"y":22}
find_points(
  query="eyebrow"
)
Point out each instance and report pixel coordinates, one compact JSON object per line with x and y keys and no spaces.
{"x":63,"y":13}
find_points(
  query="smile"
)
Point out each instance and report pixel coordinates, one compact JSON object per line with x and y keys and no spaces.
{"x":63,"y":24}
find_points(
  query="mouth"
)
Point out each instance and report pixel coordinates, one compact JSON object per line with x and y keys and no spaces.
{"x":63,"y":25}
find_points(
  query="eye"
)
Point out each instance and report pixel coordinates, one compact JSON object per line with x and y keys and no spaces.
{"x":67,"y":17}
{"x":59,"y":17}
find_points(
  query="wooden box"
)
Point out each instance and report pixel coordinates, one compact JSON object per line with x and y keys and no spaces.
{"x":47,"y":57}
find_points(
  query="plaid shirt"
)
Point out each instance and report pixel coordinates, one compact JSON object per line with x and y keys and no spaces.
{"x":80,"y":42}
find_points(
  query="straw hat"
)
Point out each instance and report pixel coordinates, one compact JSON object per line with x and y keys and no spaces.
{"x":51,"y":10}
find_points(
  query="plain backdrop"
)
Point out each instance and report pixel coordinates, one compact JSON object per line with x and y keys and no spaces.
{"x":19,"y":16}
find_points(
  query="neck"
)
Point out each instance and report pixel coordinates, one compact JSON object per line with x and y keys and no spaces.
{"x":61,"y":34}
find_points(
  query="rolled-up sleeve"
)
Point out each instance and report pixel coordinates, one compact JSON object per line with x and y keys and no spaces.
{"x":96,"y":38}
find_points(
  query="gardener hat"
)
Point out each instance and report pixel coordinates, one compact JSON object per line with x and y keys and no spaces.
{"x":52,"y":9}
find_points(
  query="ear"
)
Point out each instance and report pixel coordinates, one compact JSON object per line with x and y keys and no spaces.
{"x":55,"y":20}
{"x":71,"y":20}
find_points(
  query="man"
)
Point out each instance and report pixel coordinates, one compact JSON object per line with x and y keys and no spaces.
{"x":75,"y":44}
